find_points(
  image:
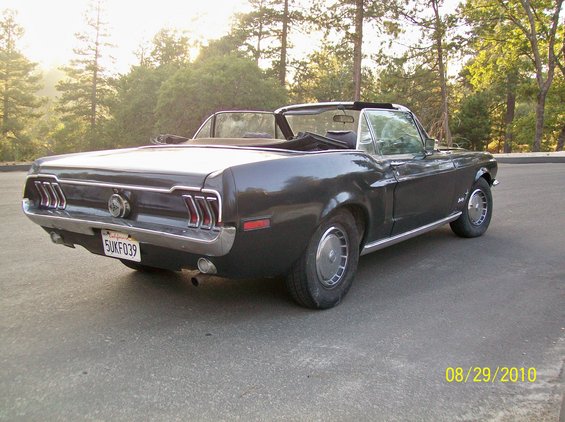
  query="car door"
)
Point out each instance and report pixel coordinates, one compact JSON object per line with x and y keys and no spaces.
{"x":425,"y":183}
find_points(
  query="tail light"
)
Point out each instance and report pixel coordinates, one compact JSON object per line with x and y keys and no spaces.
{"x":50,"y":195}
{"x":203,"y":211}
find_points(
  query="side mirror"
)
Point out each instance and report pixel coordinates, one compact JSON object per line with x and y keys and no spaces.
{"x":430,"y":145}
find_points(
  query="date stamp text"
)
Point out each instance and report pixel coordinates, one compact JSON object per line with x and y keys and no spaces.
{"x":485,"y":374}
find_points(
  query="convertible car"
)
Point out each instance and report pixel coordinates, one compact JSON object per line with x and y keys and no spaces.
{"x":300,"y":192}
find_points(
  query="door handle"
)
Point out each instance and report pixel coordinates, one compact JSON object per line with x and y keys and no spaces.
{"x":397,"y":163}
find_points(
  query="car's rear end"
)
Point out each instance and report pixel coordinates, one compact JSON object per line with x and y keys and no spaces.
{"x":164,"y":207}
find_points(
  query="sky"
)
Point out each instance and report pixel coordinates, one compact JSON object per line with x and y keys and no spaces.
{"x":50,"y":25}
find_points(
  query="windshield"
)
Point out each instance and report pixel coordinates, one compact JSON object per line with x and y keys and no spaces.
{"x":323,"y":122}
{"x":240,"y":124}
{"x":394,"y":132}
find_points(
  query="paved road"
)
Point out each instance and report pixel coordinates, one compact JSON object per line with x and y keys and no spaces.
{"x":83,"y":337}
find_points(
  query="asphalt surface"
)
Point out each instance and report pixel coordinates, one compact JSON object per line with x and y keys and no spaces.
{"x":83,"y":337}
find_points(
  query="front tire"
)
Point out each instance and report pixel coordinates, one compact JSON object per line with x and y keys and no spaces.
{"x":477,"y":212}
{"x":324,"y":273}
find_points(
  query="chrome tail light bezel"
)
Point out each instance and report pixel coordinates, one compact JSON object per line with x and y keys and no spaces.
{"x":51,"y":195}
{"x":203,"y":210}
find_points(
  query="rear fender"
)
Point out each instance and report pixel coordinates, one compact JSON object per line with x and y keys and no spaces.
{"x":355,"y":204}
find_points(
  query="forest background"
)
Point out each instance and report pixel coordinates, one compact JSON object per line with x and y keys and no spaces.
{"x":489,"y":75}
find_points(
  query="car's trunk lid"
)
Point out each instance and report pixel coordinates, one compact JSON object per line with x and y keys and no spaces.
{"x":155,"y":166}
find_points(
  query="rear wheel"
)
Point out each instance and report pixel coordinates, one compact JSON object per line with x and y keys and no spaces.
{"x":477,"y":211}
{"x":324,"y":273}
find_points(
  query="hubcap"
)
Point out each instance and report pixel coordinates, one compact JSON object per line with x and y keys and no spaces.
{"x":331,"y":257}
{"x":477,"y":207}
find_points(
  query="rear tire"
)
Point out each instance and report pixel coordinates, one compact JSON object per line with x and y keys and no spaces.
{"x":322,"y":276}
{"x":477,"y":212}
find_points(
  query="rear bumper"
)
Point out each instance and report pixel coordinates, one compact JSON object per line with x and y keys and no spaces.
{"x":216,"y":242}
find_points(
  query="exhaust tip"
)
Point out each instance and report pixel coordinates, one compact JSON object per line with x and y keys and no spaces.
{"x":57,"y":238}
{"x":205,"y":266}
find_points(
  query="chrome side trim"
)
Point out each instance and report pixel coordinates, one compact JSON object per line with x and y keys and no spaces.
{"x":113,"y":185}
{"x":212,"y":243}
{"x":389,"y":241}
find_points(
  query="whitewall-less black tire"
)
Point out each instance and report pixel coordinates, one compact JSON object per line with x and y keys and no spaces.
{"x":324,"y":273}
{"x":477,"y":211}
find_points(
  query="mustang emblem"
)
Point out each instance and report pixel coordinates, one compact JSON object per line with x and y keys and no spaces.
{"x":462,"y":198}
{"x":118,"y":206}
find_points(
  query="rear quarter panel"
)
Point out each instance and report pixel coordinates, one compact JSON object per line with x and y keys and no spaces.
{"x":296,"y":193}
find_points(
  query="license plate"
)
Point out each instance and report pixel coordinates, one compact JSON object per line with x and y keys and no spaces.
{"x":120,"y":245}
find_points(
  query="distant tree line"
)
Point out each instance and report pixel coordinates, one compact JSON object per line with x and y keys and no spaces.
{"x":509,"y":94}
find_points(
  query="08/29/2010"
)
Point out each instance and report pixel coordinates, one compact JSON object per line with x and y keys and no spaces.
{"x":480,"y":374}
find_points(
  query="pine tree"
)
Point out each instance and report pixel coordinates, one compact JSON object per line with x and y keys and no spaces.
{"x":18,"y":86}
{"x":170,"y":47}
{"x":86,"y":92}
{"x":347,"y":22}
{"x":425,"y":17}
{"x":264,"y":33}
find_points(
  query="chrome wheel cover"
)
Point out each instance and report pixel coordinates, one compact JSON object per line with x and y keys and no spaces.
{"x":332,"y":256}
{"x":477,"y":207}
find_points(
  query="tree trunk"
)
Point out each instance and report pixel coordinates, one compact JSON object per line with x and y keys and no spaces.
{"x":533,"y":36}
{"x":5,"y":110}
{"x":93,"y":94}
{"x":259,"y":34}
{"x":509,"y":117}
{"x":284,"y":42}
{"x":442,"y":73}
{"x":561,"y":139}
{"x":357,"y":49}
{"x":6,"y":77}
{"x":540,"y":116}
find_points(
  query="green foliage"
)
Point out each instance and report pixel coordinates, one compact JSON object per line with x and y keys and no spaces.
{"x":227,"y":45}
{"x":86,"y":92}
{"x":524,"y":125}
{"x":170,"y":48}
{"x":210,"y":85}
{"x":18,"y":85}
{"x":555,"y":119}
{"x":515,"y":52}
{"x":413,"y":86}
{"x":427,"y":59}
{"x":133,"y":107}
{"x":258,"y":29}
{"x":324,"y":76}
{"x":472,"y":122}
{"x":172,"y":91}
{"x":263,"y":34}
{"x":50,"y":79}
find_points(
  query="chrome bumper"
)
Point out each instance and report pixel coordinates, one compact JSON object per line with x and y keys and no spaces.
{"x":211,"y":243}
